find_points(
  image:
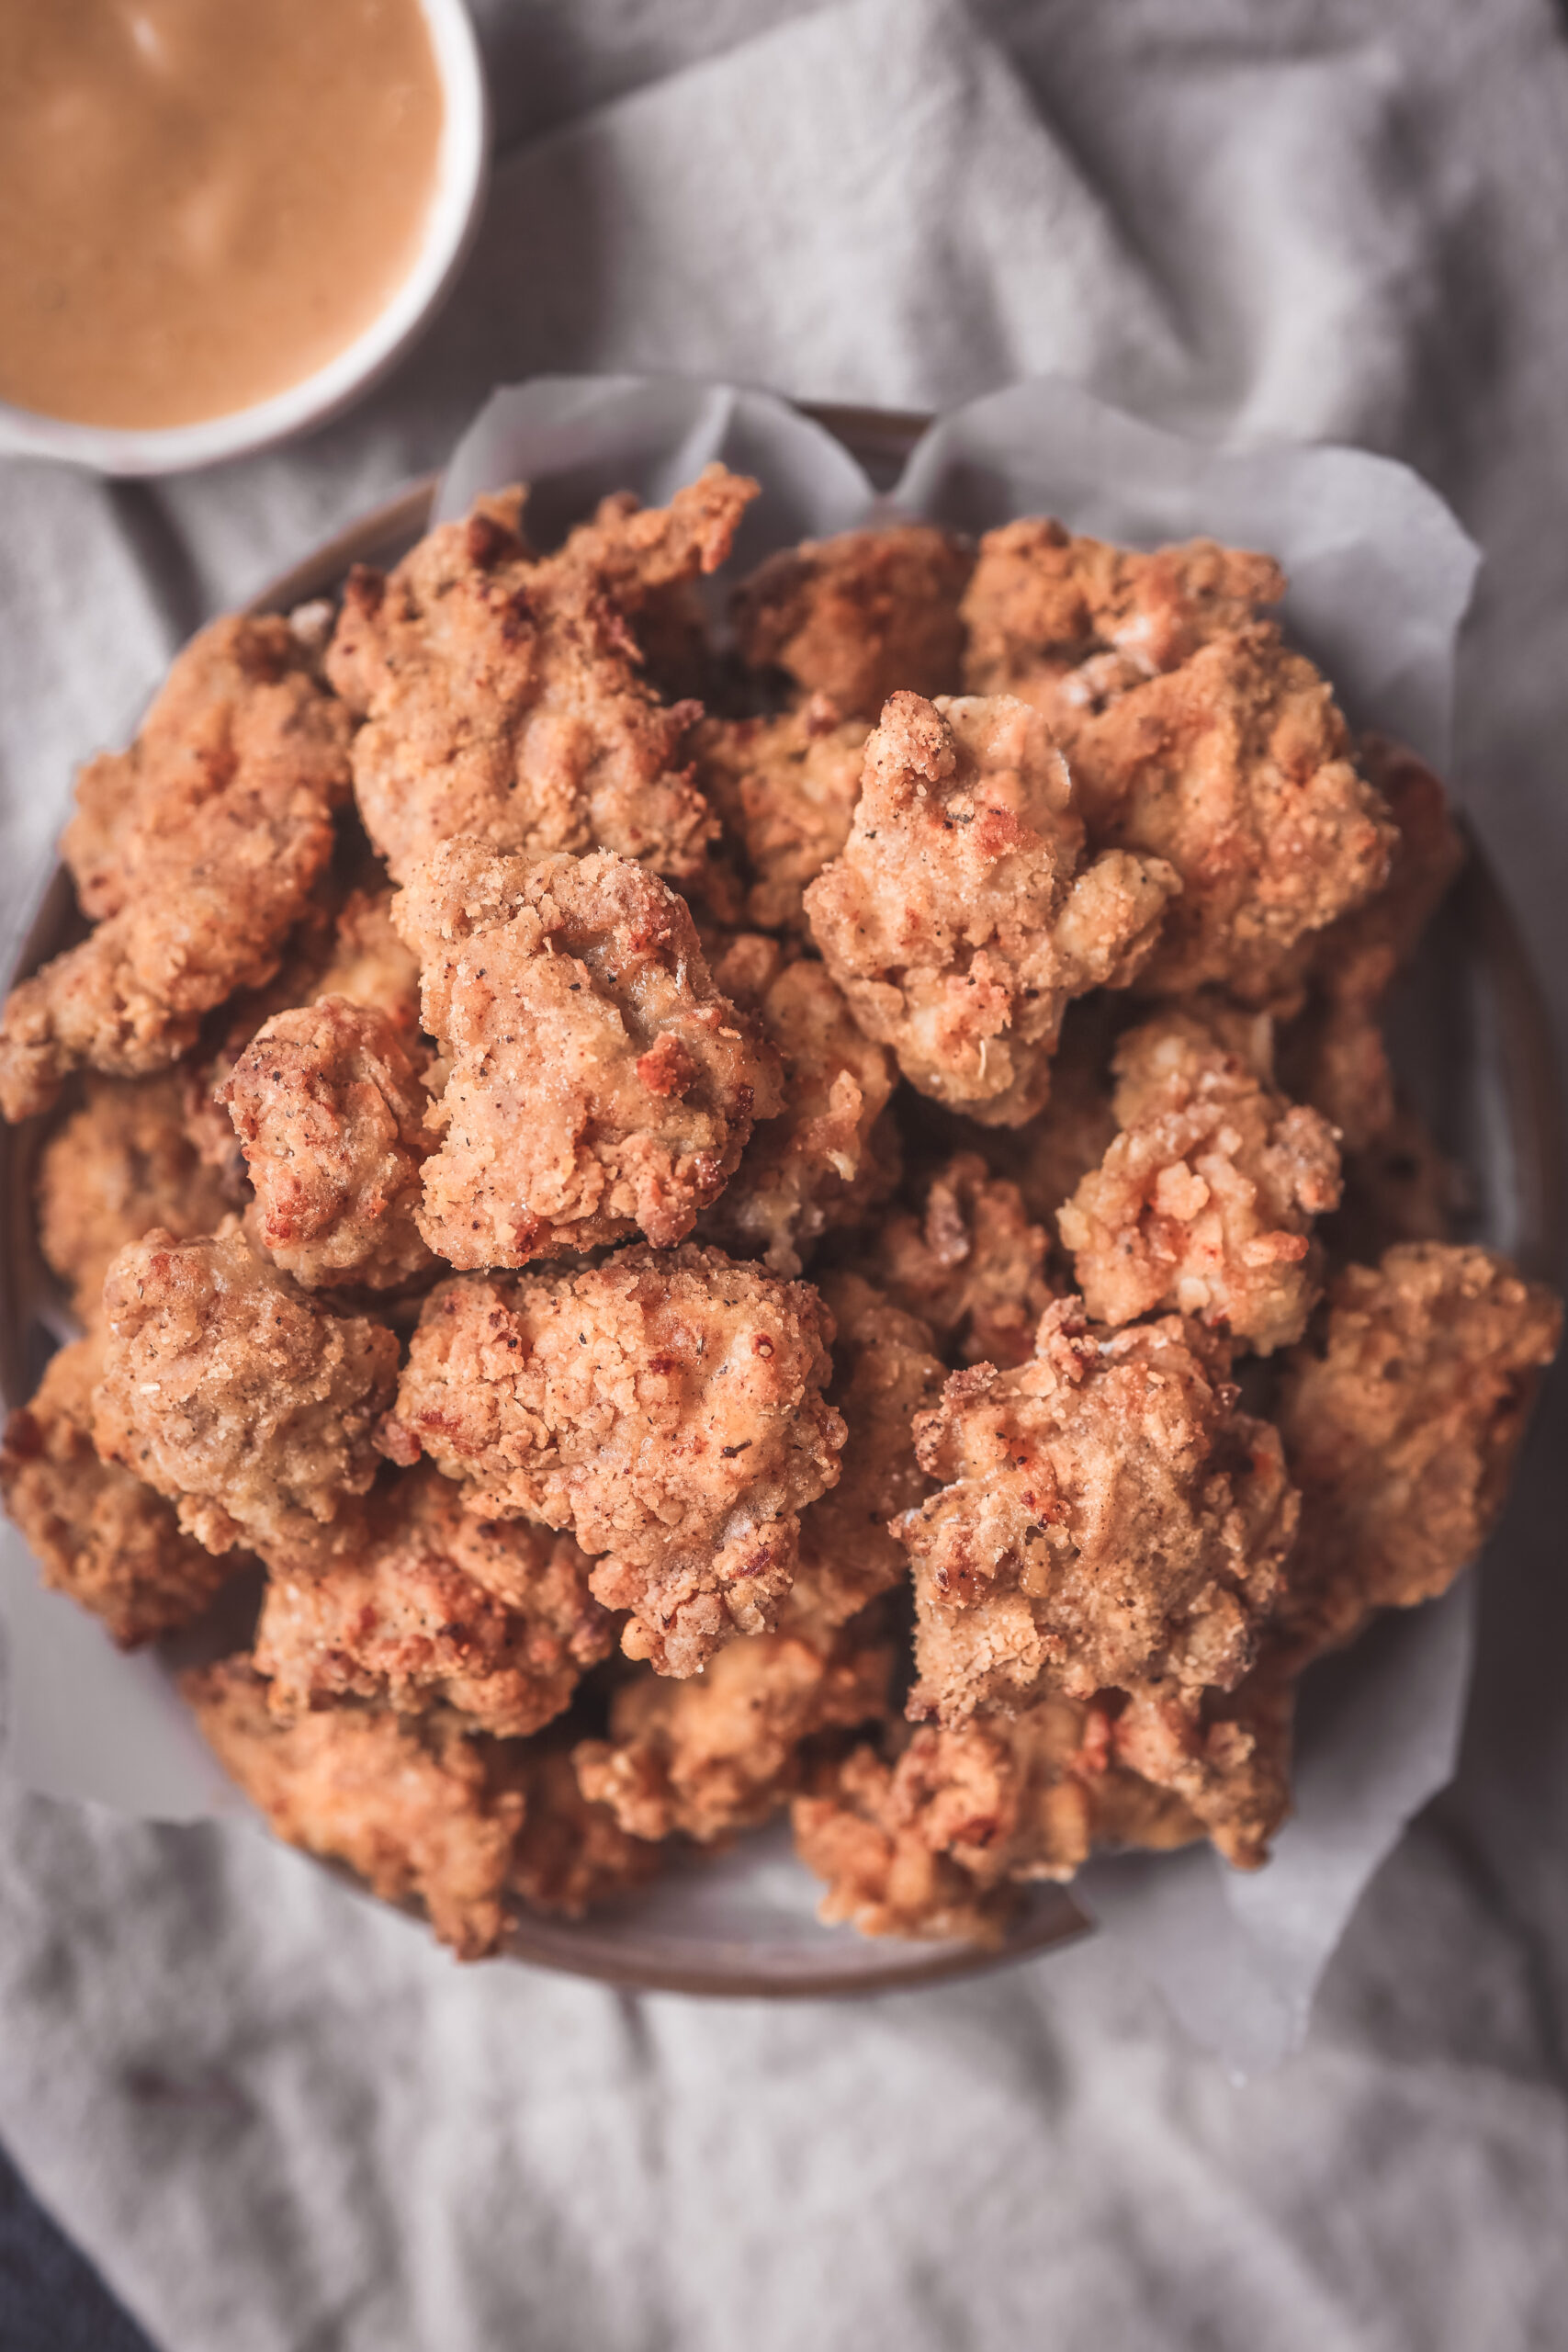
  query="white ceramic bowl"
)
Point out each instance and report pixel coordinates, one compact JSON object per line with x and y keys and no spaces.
{"x":460,"y":174}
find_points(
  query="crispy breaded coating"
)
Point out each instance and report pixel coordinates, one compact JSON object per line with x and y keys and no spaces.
{"x":1235,"y":769}
{"x":1110,"y":1521}
{"x":571,"y":1853}
{"x":786,"y":789}
{"x":1049,"y":1157}
{"x":98,"y":1534}
{"x":400,"y":1617}
{"x":723,"y":1751}
{"x":859,"y":1829}
{"x":1402,"y":1416}
{"x":861,"y":616}
{"x":192,"y":853}
{"x":1332,"y":1054}
{"x":598,"y":1082}
{"x":329,"y":1104}
{"x":338,"y":948}
{"x":933,"y":1844}
{"x":504,"y":696}
{"x":237,"y":1395}
{"x":959,"y":920}
{"x":1204,"y":1202}
{"x":827,"y":1155}
{"x":968,"y":1263}
{"x":370,"y":964}
{"x":412,"y":1804}
{"x":885,"y":1371}
{"x":1043,"y":604}
{"x":119,"y":1166}
{"x":666,"y":1407}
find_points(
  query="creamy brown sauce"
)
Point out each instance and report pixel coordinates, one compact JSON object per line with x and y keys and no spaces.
{"x":202,"y":201}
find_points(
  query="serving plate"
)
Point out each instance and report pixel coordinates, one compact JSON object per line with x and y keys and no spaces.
{"x":1473,"y":1044}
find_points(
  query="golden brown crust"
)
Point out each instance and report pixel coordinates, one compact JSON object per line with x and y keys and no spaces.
{"x":597,"y":1083}
{"x":1401,"y":1418}
{"x":827,"y":1156}
{"x":571,"y":1853}
{"x":958,"y":919}
{"x":98,"y":1534}
{"x":1043,"y":602}
{"x":329,"y":1105}
{"x":1236,"y":770}
{"x":859,"y":616}
{"x":193,"y":852}
{"x":968,"y":1263}
{"x":1205,"y":1200}
{"x":369,"y":963}
{"x":665,"y":1407}
{"x":786,"y":789}
{"x":399,"y":1615}
{"x":1108,"y":1521}
{"x":236,"y":1394}
{"x":1332,"y":1054}
{"x":885,"y":1371}
{"x":503,"y":694}
{"x":412,"y":1804}
{"x":723,"y":1751}
{"x":119,"y":1166}
{"x":933,"y":1842}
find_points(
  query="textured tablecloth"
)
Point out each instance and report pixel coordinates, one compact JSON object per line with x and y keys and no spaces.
{"x":276,"y":2117}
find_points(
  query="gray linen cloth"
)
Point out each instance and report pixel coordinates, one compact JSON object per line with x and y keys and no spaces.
{"x":275,"y":2116}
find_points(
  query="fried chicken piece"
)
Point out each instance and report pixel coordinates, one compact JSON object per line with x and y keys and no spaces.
{"x":1193,"y":734}
{"x":1110,"y":1521}
{"x":859,"y":1830}
{"x":349,"y":949}
{"x":1236,"y":770}
{"x":119,"y":1166}
{"x":1049,"y":1157}
{"x":1333,"y":1055}
{"x":723,"y":1751}
{"x":666,"y":1407}
{"x":503,"y":693}
{"x":934,"y":1844}
{"x":786,"y":789}
{"x":958,"y":921}
{"x":1205,"y":1200}
{"x":192,"y":853}
{"x":969,"y":1263}
{"x":330,"y":1109}
{"x":571,"y":1853}
{"x":1401,"y":1417}
{"x":237,"y":1395}
{"x":598,"y":1081}
{"x":829,"y":1155}
{"x":98,"y":1534}
{"x":1043,"y":604}
{"x":413,"y":1805}
{"x":402,"y":1618}
{"x":370,"y":964}
{"x":861,"y":616}
{"x":885,"y":1371}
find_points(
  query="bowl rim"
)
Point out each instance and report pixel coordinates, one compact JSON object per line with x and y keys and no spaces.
{"x":451,"y":224}
{"x":1050,"y":1913}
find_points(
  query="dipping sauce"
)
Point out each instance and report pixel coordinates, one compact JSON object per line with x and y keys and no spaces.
{"x":202,"y":201}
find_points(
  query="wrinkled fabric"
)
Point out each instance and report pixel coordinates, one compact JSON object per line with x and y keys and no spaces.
{"x":275,"y":2116}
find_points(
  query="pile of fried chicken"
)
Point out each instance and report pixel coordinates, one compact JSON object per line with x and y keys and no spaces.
{"x":802,"y":1210}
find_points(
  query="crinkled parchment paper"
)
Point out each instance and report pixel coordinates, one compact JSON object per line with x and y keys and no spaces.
{"x":1381,"y":574}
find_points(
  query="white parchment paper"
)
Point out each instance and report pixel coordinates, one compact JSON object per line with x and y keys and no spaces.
{"x":1381,"y":574}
